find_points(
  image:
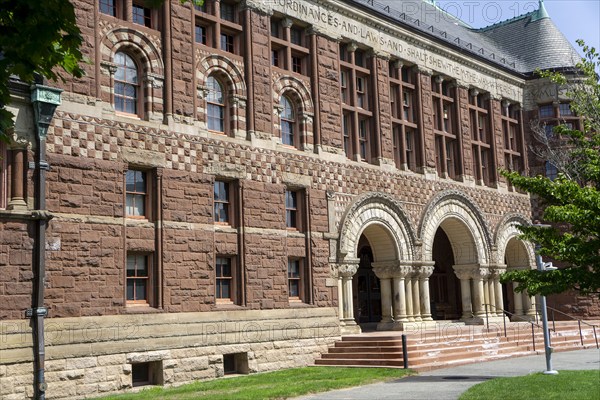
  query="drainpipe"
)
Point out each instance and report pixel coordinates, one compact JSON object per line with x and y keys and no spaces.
{"x":44,"y":100}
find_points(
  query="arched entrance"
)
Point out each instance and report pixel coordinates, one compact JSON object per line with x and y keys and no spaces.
{"x":521,"y":305}
{"x":366,"y":286}
{"x":443,"y":283}
{"x":374,"y":265}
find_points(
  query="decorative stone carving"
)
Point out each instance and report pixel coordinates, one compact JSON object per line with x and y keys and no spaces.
{"x":347,"y":270}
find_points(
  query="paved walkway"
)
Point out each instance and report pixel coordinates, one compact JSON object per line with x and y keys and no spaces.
{"x":450,"y":383}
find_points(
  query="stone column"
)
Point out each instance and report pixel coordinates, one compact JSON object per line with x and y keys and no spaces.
{"x":17,"y":178}
{"x":464,"y":275}
{"x":479,"y":276}
{"x":486,"y":296}
{"x":400,"y":294}
{"x":492,"y":296}
{"x":347,"y":271}
{"x":383,"y":270}
{"x":518,"y":300}
{"x":341,"y":299}
{"x":415,"y":295}
{"x":498,"y":300}
{"x":409,"y":298}
{"x":424,"y":274}
{"x":531,"y":305}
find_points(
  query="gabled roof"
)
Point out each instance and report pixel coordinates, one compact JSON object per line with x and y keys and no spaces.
{"x":521,"y":44}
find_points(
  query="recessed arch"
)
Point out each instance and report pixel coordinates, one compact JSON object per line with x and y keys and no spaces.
{"x":136,"y":44}
{"x":385,"y":224}
{"x":511,"y":250}
{"x":294,"y":88}
{"x":463,"y":223}
{"x":224,"y":68}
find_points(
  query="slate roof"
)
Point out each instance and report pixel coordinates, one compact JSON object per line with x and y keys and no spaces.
{"x":521,"y":44}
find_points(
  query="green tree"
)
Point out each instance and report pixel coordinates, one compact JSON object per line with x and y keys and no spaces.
{"x":572,"y":201}
{"x":37,"y":39}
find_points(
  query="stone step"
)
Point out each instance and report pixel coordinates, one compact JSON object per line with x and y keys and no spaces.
{"x":360,"y":363}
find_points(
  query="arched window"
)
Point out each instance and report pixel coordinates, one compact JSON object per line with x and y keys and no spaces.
{"x":288,"y":122}
{"x":215,"y":107}
{"x":126,"y":84}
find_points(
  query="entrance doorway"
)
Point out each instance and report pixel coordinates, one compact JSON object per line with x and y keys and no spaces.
{"x":444,"y":286}
{"x":367,"y":288}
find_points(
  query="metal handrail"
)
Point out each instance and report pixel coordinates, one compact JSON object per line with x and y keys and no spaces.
{"x":579,"y":322}
{"x":504,"y":320}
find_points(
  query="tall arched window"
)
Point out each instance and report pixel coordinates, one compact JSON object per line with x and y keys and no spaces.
{"x":215,"y":107}
{"x":126,"y":84}
{"x":288,"y":122}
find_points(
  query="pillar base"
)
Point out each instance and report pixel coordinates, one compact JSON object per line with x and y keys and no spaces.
{"x":522,"y":318}
{"x":474,"y":320}
{"x":350,"y":330}
{"x":412,"y":326}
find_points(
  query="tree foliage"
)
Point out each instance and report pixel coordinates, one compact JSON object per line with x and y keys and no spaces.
{"x":37,"y":38}
{"x":571,"y":201}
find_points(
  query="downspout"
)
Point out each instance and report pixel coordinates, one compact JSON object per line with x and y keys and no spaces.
{"x":44,"y":100}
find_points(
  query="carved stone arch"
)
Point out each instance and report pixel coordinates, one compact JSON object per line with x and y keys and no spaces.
{"x":137,"y":45}
{"x":463,"y":222}
{"x":226,"y":69}
{"x":382,"y":215}
{"x":298,"y":91}
{"x":510,"y":250}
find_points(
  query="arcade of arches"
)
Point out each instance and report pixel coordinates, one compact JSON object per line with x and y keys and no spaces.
{"x":394,"y":276}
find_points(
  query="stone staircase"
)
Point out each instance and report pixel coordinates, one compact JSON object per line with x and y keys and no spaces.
{"x":453,"y":344}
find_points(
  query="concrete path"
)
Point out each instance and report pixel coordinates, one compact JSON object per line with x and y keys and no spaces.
{"x":450,"y":383}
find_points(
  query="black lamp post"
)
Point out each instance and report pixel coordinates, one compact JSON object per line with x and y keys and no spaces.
{"x":44,"y":100}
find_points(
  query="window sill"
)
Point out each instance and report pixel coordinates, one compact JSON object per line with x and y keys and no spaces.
{"x":132,"y":308}
{"x":127,"y":115}
{"x":297,"y":303}
{"x":225,"y":305}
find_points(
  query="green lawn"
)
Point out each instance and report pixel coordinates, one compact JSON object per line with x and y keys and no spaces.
{"x":272,"y":385}
{"x":571,"y":385}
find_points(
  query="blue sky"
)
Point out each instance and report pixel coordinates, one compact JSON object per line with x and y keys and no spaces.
{"x":577,"y":19}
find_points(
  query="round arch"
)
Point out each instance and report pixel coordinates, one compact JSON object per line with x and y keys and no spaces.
{"x":294,"y":88}
{"x":510,"y":250}
{"x":385,"y":224}
{"x":464,"y":225}
{"x":221,"y":66}
{"x":136,"y":44}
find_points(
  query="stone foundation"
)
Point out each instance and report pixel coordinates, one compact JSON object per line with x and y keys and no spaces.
{"x":94,"y":356}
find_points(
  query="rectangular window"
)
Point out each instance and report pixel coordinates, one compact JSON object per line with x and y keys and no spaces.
{"x":227,"y":42}
{"x":296,"y":36}
{"x":346,"y":131}
{"x":138,"y":278}
{"x":297,"y":64}
{"x":547,"y":111}
{"x":227,"y":12}
{"x":224,"y":272}
{"x":221,"y":202}
{"x":142,"y":15}
{"x":200,"y":33}
{"x":201,"y":7}
{"x":215,"y":117}
{"x":291,"y":209}
{"x":108,"y":7}
{"x":565,"y":110}
{"x":344,"y":86}
{"x":410,"y":153}
{"x":363,"y":138}
{"x":275,"y":58}
{"x":275,"y":28}
{"x":295,"y":282}
{"x":361,"y":88}
{"x":136,"y":193}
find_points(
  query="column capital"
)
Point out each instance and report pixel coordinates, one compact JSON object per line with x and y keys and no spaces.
{"x":347,"y":269}
{"x":425,"y":271}
{"x":385,"y":269}
{"x":402,"y":271}
{"x":465,"y":271}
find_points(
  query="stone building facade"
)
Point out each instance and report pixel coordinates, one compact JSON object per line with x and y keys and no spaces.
{"x":234,"y":186}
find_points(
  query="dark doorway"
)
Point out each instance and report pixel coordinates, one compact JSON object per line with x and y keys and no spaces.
{"x":366,"y":286}
{"x":444,"y":286}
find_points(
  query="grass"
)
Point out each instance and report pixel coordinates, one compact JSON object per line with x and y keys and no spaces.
{"x":572,"y":385}
{"x":271,"y":385}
